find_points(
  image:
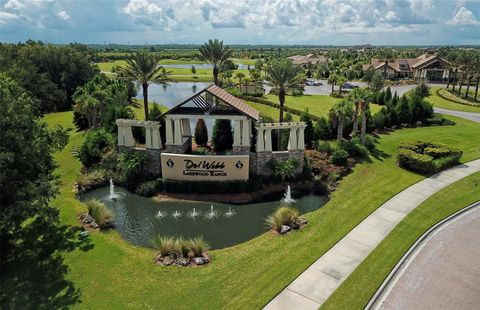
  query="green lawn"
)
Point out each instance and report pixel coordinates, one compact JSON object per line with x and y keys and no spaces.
{"x":269,"y":111}
{"x":118,"y":275}
{"x":360,"y":286}
{"x":316,"y":104}
{"x":446,"y":104}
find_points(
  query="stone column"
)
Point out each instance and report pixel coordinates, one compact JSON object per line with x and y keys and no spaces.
{"x":268,"y":140}
{"x":260,"y":139}
{"x":148,"y":136}
{"x":301,"y":139}
{"x":120,"y":134}
{"x":292,"y":141}
{"x":177,"y":132}
{"x":129,"y":141}
{"x":237,"y":134}
{"x":156,"y":139}
{"x":246,"y":133}
{"x":186,"y":127}
{"x":168,"y":131}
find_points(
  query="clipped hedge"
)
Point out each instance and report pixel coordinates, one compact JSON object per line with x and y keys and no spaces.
{"x":447,"y":95}
{"x":426,"y":157}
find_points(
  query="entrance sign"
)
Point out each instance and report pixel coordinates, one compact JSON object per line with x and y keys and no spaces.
{"x":204,"y":167}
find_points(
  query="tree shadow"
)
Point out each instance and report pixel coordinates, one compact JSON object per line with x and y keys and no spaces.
{"x":33,"y":270}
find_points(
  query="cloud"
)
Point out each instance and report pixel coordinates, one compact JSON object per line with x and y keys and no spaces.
{"x":63,"y":15}
{"x":463,"y":17}
{"x":14,"y":5}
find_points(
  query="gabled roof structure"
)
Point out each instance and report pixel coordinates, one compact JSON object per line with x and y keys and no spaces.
{"x":204,"y":103}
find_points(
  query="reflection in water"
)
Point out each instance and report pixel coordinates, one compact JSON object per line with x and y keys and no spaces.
{"x":139,"y":219}
{"x":172,"y":94}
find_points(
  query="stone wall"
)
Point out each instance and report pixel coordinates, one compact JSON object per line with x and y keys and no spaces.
{"x":154,"y":164}
{"x":260,"y":161}
{"x":241,"y":150}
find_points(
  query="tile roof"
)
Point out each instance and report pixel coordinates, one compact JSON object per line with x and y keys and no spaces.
{"x":408,"y":63}
{"x":233,"y":101}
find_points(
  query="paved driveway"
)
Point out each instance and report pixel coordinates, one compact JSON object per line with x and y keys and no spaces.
{"x":472,"y":116}
{"x":446,"y":272}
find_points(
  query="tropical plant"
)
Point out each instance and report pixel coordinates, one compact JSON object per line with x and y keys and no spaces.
{"x":332,"y":80}
{"x":341,"y":82}
{"x":240,"y":76}
{"x":198,"y":246}
{"x":215,"y":54}
{"x":87,"y":180}
{"x":100,"y":213}
{"x":143,"y":67}
{"x":282,"y":76}
{"x":97,"y":143}
{"x":201,"y":133}
{"x":340,"y":111}
{"x":285,"y":168}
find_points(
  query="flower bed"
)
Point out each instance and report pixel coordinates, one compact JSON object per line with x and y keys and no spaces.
{"x":427,"y":157}
{"x":447,"y":95}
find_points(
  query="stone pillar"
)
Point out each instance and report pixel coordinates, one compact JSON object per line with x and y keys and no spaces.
{"x":292,"y":141}
{"x":156,"y":139}
{"x":120,"y":134}
{"x":148,"y":136}
{"x":186,"y":127}
{"x":260,"y":140}
{"x":301,"y":139}
{"x":129,"y":141}
{"x":177,"y":132}
{"x":237,"y":141}
{"x":268,"y":140}
{"x":246,"y":132}
{"x":168,"y":131}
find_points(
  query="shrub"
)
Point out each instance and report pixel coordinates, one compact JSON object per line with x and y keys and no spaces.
{"x":450,"y":96}
{"x":130,"y":166}
{"x":201,"y":133}
{"x":100,"y":213}
{"x":426,"y":157}
{"x":222,"y":138}
{"x":90,"y":180}
{"x":97,"y":142}
{"x":422,"y":90}
{"x":112,"y":113}
{"x":148,"y":188}
{"x":198,"y":246}
{"x":324,"y":146}
{"x":284,"y":215}
{"x":309,"y":131}
{"x":165,"y":245}
{"x":339,"y":157}
{"x":284,"y":168}
{"x":369,"y":142}
{"x":182,"y":246}
{"x":354,"y":148}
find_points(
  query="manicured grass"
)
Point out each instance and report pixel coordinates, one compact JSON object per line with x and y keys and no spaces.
{"x":446,"y":104}
{"x":118,"y":275}
{"x":360,"y":286}
{"x":266,"y":110}
{"x":316,"y":104}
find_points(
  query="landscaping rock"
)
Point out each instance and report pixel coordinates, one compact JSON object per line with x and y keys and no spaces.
{"x":200,"y":260}
{"x":168,"y":260}
{"x":303,"y":221}
{"x":284,"y":229}
{"x":182,"y":261}
{"x":158,"y":257}
{"x":294,"y":225}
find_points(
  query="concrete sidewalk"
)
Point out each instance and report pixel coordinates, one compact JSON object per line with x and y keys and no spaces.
{"x":313,"y":287}
{"x":471,"y":116}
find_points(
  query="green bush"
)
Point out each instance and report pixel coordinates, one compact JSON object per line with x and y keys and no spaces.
{"x":284,"y":215}
{"x":201,"y":133}
{"x":100,"y":213}
{"x":426,"y":157}
{"x":353,"y":148}
{"x":323,"y":146}
{"x":97,"y":142}
{"x":147,"y":189}
{"x":90,"y":180}
{"x":339,"y":157}
{"x":222,"y":137}
{"x":450,"y":96}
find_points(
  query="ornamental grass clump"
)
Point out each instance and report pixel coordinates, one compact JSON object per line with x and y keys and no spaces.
{"x":99,"y":212}
{"x":198,"y":246}
{"x":90,"y":180}
{"x":284,"y":216}
{"x":165,"y":245}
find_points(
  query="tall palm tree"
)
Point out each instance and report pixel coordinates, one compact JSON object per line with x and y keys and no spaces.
{"x":332,"y":80}
{"x":357,"y":96}
{"x":282,"y":75}
{"x":142,"y":67}
{"x":240,"y":76}
{"x":463,"y":61}
{"x":341,"y":82}
{"x":341,"y":110}
{"x":214,"y":53}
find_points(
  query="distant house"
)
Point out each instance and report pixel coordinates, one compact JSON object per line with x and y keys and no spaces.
{"x":365,"y":48}
{"x":427,"y":67}
{"x":313,"y":59}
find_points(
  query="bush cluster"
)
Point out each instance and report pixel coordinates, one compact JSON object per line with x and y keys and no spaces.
{"x":284,"y":215}
{"x":427,"y":157}
{"x":450,"y":96}
{"x":276,"y":105}
{"x":180,"y":247}
{"x":100,"y":213}
{"x":97,"y":142}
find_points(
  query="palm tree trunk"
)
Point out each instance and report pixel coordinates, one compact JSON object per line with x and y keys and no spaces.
{"x":240,"y":85}
{"x":454,"y":79}
{"x":476,"y":87}
{"x":215,"y":74}
{"x":449,"y":77}
{"x":355,"y":121}
{"x":281,"y":99}
{"x":333,"y":85}
{"x":468,"y":86}
{"x":340,"y":128}
{"x":364,"y":128}
{"x":145,"y":100}
{"x":460,"y":86}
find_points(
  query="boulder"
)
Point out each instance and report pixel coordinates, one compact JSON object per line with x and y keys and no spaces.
{"x":294,"y":225}
{"x":284,"y":229}
{"x":200,"y":260}
{"x":168,"y":260}
{"x":303,"y":221}
{"x":158,"y":257}
{"x":182,"y":261}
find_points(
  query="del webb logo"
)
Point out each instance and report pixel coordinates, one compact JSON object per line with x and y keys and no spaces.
{"x":204,"y":168}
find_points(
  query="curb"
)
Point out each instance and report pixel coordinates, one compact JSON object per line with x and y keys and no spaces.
{"x":381,"y":294}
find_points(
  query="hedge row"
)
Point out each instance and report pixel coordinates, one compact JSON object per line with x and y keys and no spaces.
{"x":447,"y":95}
{"x":276,"y":105}
{"x":427,"y":157}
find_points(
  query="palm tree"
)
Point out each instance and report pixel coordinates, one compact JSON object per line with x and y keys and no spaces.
{"x":463,"y":61}
{"x":357,"y":96}
{"x":142,"y":67}
{"x":341,"y":110}
{"x":282,"y":75}
{"x":332,"y":80}
{"x":214,"y":53}
{"x":363,"y":129}
{"x":341,"y":82}
{"x":239,"y":76}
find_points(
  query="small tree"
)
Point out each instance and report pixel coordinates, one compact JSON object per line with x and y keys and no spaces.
{"x":240,"y":76}
{"x":201,"y":133}
{"x":285,"y":168}
{"x":194,"y":70}
{"x":309,"y":134}
{"x":377,"y":82}
{"x":222,"y":138}
{"x":404,"y":114}
{"x":387,"y":96}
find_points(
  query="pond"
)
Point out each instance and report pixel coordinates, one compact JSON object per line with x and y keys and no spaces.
{"x":172,"y":94}
{"x":139,"y":219}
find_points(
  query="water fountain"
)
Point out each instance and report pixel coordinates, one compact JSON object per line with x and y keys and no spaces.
{"x":194,"y":213}
{"x":287,"y":198}
{"x":176,"y":214}
{"x":113,"y":195}
{"x":212,"y":214}
{"x":229,"y":213}
{"x":161,"y":214}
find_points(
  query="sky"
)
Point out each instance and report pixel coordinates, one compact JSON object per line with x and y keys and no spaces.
{"x":285,"y":22}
